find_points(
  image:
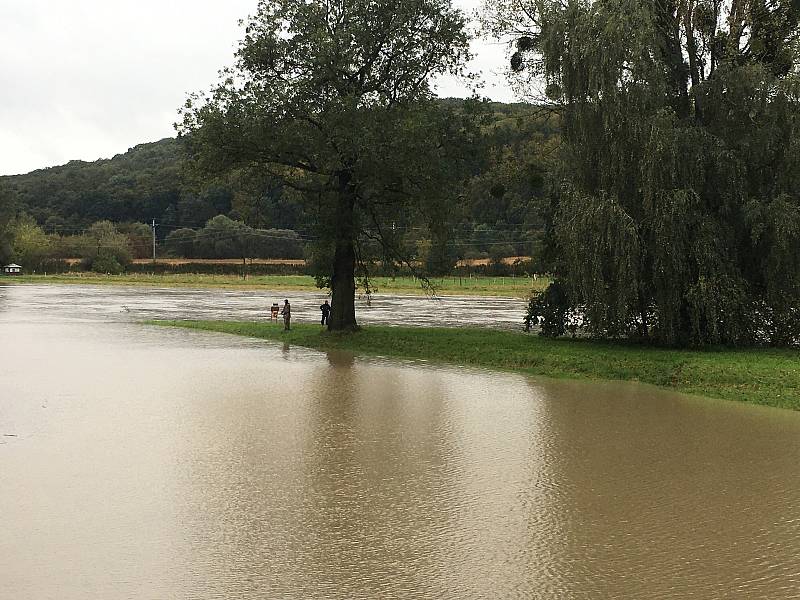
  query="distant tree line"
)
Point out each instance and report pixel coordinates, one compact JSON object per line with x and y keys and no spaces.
{"x":497,"y":213}
{"x":106,"y":247}
{"x":224,"y":238}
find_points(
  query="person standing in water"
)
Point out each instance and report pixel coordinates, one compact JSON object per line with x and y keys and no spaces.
{"x":326,"y":312}
{"x":287,"y":315}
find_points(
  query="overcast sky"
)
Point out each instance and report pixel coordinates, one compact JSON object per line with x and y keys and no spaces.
{"x":88,"y":79}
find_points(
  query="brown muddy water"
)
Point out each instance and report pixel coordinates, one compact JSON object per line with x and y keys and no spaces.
{"x":133,"y":303}
{"x":148,"y":463}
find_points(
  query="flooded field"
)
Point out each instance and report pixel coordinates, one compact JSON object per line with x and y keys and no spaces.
{"x":149,"y":463}
{"x":120,"y":303}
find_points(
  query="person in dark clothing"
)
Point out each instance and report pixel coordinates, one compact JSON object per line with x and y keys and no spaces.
{"x":326,"y":312}
{"x":287,"y":315}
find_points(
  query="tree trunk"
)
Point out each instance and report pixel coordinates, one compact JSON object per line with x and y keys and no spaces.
{"x":667,"y":20}
{"x":694,"y":63}
{"x":736,"y":26}
{"x":343,"y":282}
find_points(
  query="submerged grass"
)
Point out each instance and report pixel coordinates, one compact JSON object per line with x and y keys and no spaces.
{"x":520,"y":287}
{"x":762,"y":376}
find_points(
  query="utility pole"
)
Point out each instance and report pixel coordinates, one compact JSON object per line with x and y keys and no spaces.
{"x":154,"y":240}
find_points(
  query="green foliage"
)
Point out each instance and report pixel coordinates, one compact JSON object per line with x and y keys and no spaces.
{"x":225,"y":238}
{"x":72,"y":246}
{"x":440,"y":258}
{"x":501,"y":214}
{"x":31,"y":247}
{"x":550,"y":310}
{"x":133,"y":187}
{"x":147,"y":182}
{"x":140,"y":237}
{"x":161,"y":273}
{"x":105,"y":262}
{"x":677,"y":219}
{"x":318,"y":257}
{"x":105,"y":249}
{"x":333,"y":101}
{"x":181,"y":242}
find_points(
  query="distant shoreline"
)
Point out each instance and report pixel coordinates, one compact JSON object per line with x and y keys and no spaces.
{"x":508,"y":287}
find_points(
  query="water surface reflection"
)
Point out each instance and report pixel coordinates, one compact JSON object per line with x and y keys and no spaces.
{"x":152,"y":463}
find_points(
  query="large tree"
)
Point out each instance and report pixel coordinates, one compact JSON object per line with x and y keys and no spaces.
{"x":333,"y":99}
{"x":679,"y":199}
{"x":31,"y":246}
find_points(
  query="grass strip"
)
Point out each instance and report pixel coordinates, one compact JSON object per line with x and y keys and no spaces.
{"x":760,"y":376}
{"x":513,"y":287}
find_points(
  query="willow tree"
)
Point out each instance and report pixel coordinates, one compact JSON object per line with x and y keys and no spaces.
{"x":679,"y":200}
{"x":333,"y":99}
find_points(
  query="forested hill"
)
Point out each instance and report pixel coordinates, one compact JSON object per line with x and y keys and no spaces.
{"x":139,"y":185}
{"x":497,"y":212}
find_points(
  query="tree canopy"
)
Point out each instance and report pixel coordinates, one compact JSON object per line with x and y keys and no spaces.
{"x":333,"y":100}
{"x":224,"y":238}
{"x":678,"y":213}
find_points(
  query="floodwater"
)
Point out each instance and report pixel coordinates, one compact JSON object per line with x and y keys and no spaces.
{"x":146,"y":463}
{"x":130,"y":303}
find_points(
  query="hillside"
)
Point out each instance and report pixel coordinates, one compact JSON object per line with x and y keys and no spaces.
{"x":139,"y":185}
{"x":497,"y":213}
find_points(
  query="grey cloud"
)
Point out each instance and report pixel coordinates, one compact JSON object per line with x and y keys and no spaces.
{"x":85,"y":79}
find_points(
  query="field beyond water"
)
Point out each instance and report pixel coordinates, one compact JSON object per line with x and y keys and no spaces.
{"x":760,"y":376}
{"x":520,"y":287}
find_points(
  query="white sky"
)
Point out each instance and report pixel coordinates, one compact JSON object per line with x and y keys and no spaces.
{"x":88,"y":79}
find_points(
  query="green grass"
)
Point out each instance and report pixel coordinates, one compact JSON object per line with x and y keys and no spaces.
{"x":286,"y":282}
{"x":762,"y":376}
{"x":476,"y":286}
